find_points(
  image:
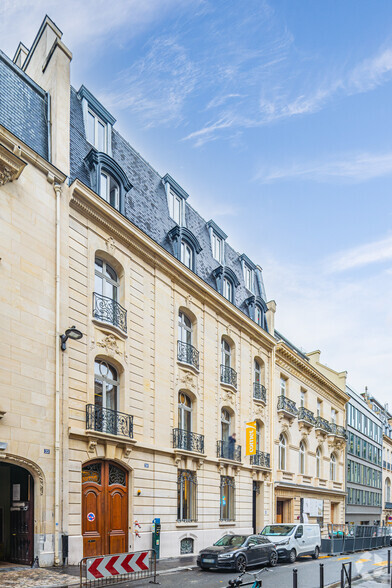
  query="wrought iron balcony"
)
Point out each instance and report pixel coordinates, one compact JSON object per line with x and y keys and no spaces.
{"x":388,"y":505}
{"x":188,"y":441}
{"x":187,"y":354}
{"x":106,"y":420}
{"x":259,"y":392}
{"x":108,"y":310}
{"x":287,"y":405}
{"x":226,"y":450}
{"x":304,"y":414}
{"x":322,"y":424}
{"x":228,"y":376}
{"x":337,"y":430}
{"x":260,"y":459}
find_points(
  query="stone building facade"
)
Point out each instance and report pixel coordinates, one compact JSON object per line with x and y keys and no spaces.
{"x":134,"y":421}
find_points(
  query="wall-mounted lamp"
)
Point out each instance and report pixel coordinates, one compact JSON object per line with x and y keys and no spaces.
{"x":72,"y":333}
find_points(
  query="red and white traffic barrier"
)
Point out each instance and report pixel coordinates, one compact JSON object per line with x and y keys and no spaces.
{"x":115,"y":565}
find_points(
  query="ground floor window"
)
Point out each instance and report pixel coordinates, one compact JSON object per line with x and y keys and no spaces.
{"x":186,"y":546}
{"x":186,"y":496}
{"x":227,"y":498}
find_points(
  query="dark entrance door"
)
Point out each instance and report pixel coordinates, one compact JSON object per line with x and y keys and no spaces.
{"x":256,"y":491}
{"x":104,"y":508}
{"x":16,"y":515}
{"x":279,"y":511}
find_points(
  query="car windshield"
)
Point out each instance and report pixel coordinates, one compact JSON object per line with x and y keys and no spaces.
{"x":278,"y":530}
{"x":231,"y":540}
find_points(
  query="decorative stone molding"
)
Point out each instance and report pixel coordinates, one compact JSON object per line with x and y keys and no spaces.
{"x":2,"y":413}
{"x":186,"y":380}
{"x":92,"y":445}
{"x":28,"y":465}
{"x":11,"y":166}
{"x":229,"y":396}
{"x":110,"y":345}
{"x":111,"y":245}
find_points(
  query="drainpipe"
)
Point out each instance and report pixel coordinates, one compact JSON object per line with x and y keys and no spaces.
{"x":49,"y":126}
{"x":57,"y":189}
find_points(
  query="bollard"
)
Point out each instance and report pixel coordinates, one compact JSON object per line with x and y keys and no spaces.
{"x":389,"y":561}
{"x":321,"y":575}
{"x":295,"y":578}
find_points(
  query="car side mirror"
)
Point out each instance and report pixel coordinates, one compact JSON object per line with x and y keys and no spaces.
{"x":298,"y":535}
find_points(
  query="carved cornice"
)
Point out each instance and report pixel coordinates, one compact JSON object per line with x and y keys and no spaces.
{"x":11,"y":166}
{"x":303,"y":370}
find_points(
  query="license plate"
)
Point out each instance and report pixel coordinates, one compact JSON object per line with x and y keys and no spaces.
{"x":208,"y":560}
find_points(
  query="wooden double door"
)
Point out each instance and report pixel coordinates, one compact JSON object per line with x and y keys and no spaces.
{"x":104,"y":508}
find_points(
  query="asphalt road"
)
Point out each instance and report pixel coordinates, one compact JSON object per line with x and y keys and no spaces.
{"x":279,"y":577}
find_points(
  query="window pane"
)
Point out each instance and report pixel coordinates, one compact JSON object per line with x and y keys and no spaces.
{"x":177,"y":209}
{"x":114,"y":194}
{"x":104,"y":187}
{"x":101,"y":137}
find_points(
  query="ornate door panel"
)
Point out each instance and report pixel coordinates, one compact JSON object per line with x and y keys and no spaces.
{"x":105,"y":509}
{"x":22,"y":527}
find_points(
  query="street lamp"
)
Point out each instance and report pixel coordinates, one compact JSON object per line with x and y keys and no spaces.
{"x":72,"y":333}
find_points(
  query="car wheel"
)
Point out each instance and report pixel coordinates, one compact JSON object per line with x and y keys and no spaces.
{"x":273,"y":559}
{"x":316,"y":553}
{"x":240,"y":563}
{"x":292,"y":556}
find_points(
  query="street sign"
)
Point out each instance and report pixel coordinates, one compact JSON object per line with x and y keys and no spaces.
{"x":115,"y":565}
{"x":250,"y":445}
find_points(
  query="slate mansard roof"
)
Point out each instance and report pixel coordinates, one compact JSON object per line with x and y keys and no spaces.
{"x":146,"y":206}
{"x":23,"y":107}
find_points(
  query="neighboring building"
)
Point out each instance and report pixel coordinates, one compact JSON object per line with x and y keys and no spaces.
{"x":134,"y":421}
{"x":309,"y":438}
{"x":386,"y":420}
{"x":364,"y":462}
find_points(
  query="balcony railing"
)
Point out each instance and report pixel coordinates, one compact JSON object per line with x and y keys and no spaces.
{"x":260,"y":459}
{"x":388,"y":505}
{"x":187,"y":354}
{"x":337,"y":430}
{"x":287,"y":405}
{"x":108,"y":310}
{"x":228,"y":376}
{"x":227,"y":450}
{"x":106,"y":420}
{"x":304,"y":414}
{"x":323,"y":424}
{"x":188,"y":441}
{"x":259,"y":392}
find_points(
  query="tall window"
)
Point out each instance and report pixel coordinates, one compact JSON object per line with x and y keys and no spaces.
{"x":282,"y":452}
{"x":225,"y":424}
{"x":303,"y":397}
{"x":258,"y":315}
{"x":106,"y":280}
{"x":175,"y":207}
{"x":258,"y":437}
{"x":283,"y":386}
{"x":387,"y":490}
{"x":106,"y":385}
{"x":217,"y":247}
{"x":227,"y":289}
{"x":226,"y":353}
{"x":96,"y":132}
{"x":110,"y":190}
{"x":333,"y":416}
{"x":184,"y":412}
{"x":301,"y":458}
{"x":318,"y":408}
{"x":184,"y":329}
{"x":248,"y":276}
{"x":227,"y":498}
{"x":318,"y":463}
{"x":186,"y":496}
{"x":257,"y":372}
{"x":186,"y":254}
{"x":332,"y":467}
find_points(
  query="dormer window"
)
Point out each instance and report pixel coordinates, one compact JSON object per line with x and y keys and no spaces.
{"x":96,"y":131}
{"x":227,"y":289}
{"x":175,"y":207}
{"x":187,"y":255}
{"x":248,"y":276}
{"x":110,"y":190}
{"x":218,"y":238}
{"x":259,"y":316}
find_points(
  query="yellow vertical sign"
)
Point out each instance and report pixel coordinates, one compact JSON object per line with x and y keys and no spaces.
{"x":250,"y":438}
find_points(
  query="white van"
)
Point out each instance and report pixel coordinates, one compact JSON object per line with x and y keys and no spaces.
{"x":292,"y":540}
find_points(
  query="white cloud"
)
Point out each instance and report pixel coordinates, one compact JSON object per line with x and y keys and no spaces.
{"x":363,"y":255}
{"x":358,"y":167}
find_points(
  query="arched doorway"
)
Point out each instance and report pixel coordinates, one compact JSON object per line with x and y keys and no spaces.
{"x":16,"y":514}
{"x":104,"y":508}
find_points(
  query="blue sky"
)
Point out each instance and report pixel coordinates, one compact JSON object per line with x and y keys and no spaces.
{"x":275,"y":117}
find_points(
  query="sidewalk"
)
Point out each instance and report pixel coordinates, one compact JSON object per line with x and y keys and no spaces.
{"x":26,"y":577}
